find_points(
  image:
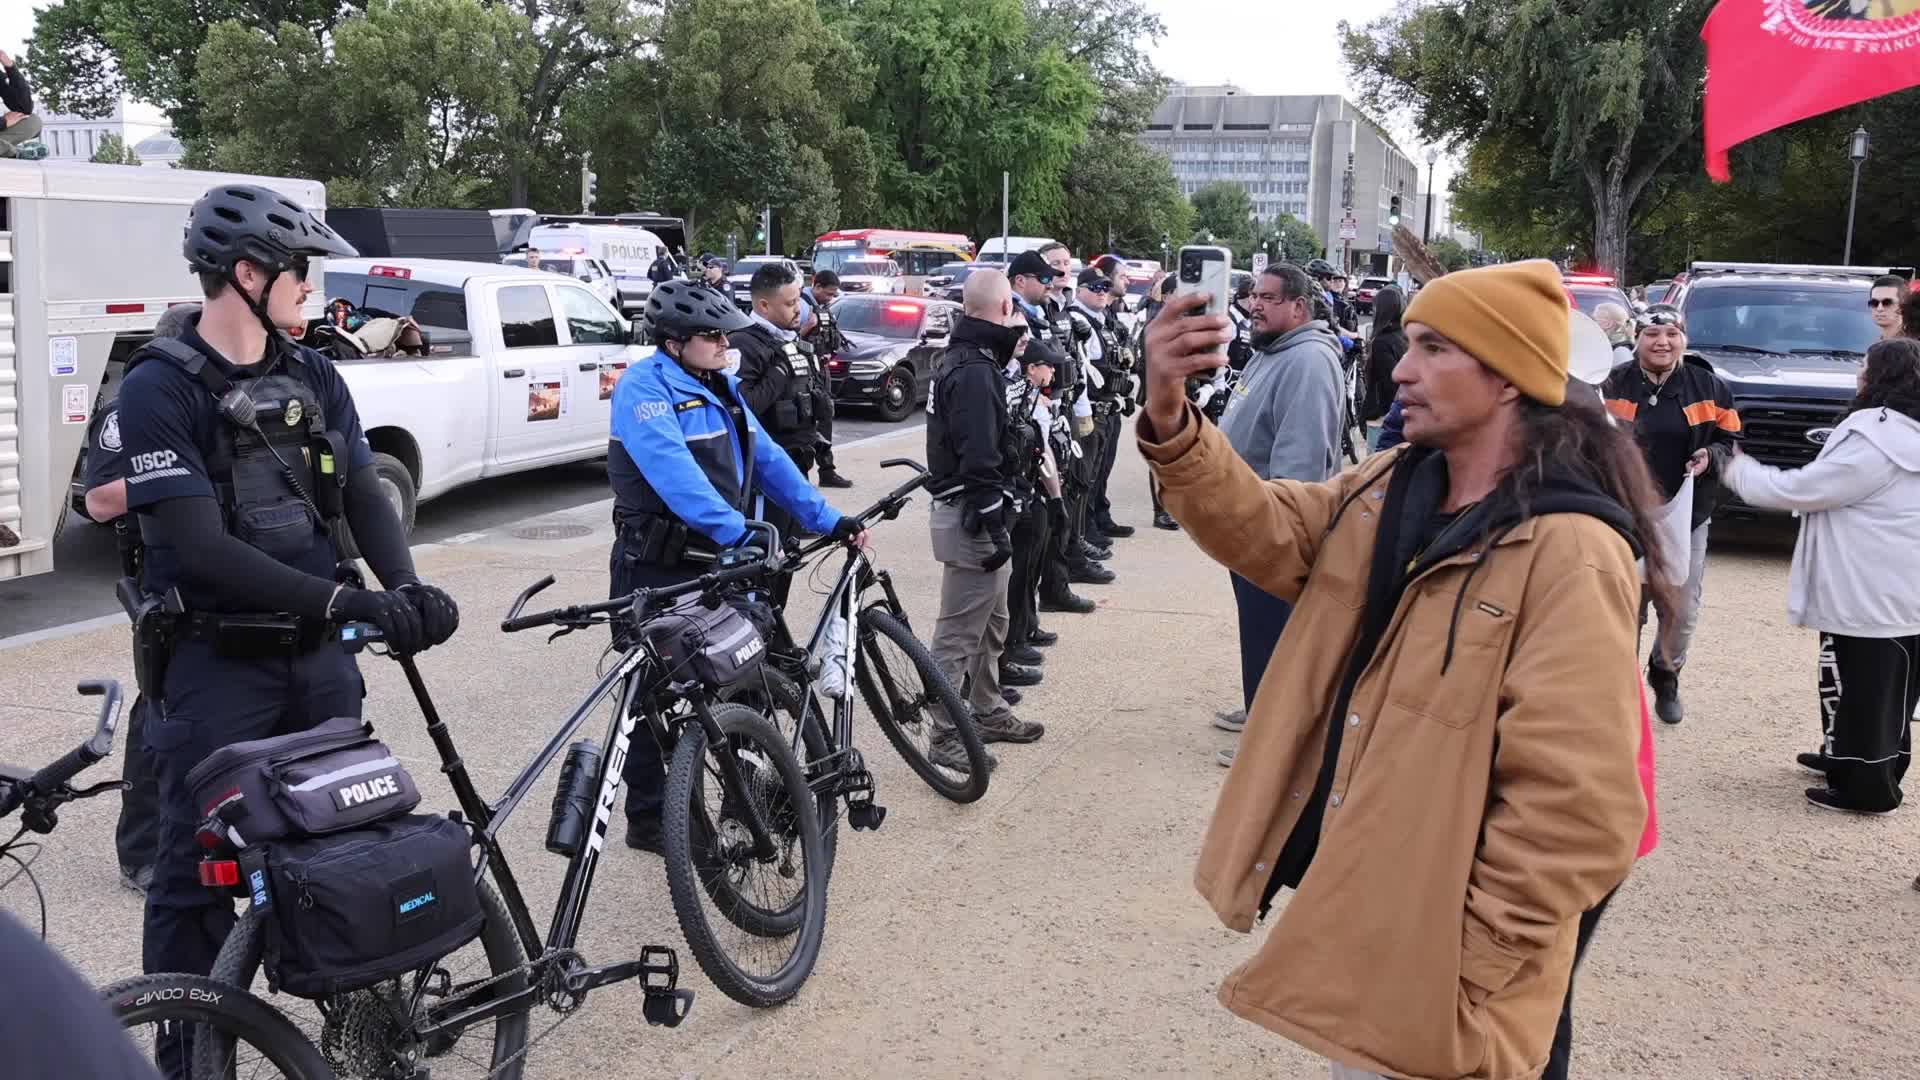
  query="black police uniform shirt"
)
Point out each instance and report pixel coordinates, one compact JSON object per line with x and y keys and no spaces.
{"x":167,"y":419}
{"x":105,"y":462}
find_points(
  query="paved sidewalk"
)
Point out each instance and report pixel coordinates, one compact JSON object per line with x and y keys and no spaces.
{"x":1050,"y":929}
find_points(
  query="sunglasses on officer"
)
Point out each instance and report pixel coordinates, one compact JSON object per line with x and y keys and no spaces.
{"x":718,"y":337}
{"x":1101,"y":286}
{"x":1882,"y":301}
{"x":299,"y":266}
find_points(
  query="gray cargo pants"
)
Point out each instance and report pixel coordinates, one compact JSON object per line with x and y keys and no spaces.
{"x":971,"y":632}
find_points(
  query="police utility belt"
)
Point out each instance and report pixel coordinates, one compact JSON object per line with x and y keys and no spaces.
{"x":662,"y":540}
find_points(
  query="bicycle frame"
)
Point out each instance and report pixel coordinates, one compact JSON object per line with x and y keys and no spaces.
{"x":486,"y":820}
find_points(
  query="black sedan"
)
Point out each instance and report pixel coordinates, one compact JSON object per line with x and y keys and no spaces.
{"x":946,"y":282}
{"x":891,"y":345}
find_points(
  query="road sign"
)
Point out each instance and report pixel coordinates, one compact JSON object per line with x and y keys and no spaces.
{"x":1259,"y":263}
{"x":1349,"y":229}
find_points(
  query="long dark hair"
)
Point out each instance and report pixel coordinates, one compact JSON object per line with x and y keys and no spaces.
{"x":1892,"y":378}
{"x":1578,"y":440}
{"x":1389,"y":304}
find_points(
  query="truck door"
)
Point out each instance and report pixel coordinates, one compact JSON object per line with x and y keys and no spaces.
{"x":534,"y":397}
{"x":598,"y":351}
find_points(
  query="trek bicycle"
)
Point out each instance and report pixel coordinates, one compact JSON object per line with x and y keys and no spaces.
{"x":740,"y":831}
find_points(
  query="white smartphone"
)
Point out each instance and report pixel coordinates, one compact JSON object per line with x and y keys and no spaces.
{"x":1209,"y":272}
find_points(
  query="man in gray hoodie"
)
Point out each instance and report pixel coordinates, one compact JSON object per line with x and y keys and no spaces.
{"x":1284,"y":421}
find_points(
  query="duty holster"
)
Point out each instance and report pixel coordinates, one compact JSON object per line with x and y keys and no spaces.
{"x":155,"y":619}
{"x":657,"y":540}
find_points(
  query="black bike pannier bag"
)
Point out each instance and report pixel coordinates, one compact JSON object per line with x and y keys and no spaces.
{"x":719,"y":646}
{"x":356,"y":908}
{"x":329,"y":778}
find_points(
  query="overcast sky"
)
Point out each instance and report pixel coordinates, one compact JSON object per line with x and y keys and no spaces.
{"x":1284,"y":47}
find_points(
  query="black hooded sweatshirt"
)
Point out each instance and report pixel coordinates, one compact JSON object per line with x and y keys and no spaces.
{"x":1415,"y":534}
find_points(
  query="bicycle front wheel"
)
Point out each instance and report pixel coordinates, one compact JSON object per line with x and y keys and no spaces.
{"x":167,"y":1014}
{"x":754,"y":922}
{"x":909,"y":697}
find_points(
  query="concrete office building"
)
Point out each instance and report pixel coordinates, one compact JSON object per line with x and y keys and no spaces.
{"x":1291,"y":154}
{"x":76,"y":138}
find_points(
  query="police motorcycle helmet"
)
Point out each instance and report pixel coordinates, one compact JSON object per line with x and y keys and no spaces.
{"x":1321,"y":270}
{"x":680,"y":310}
{"x":246,"y":221}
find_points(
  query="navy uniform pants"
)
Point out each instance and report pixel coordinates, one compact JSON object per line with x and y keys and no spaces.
{"x":213,"y":701}
{"x":645,"y":771}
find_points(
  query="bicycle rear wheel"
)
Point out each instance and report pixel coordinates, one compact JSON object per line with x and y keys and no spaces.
{"x":904,"y":688}
{"x":166,"y":1015}
{"x":762,"y":936}
{"x":360,"y":1035}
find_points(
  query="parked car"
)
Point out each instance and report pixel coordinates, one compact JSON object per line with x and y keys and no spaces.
{"x":740,"y":275}
{"x":519,"y":374}
{"x":1657,"y":291}
{"x":1364,"y":293}
{"x":1789,"y":341}
{"x":891,"y":345}
{"x":947,"y":282}
{"x":1589,"y":291}
{"x":880,"y":276}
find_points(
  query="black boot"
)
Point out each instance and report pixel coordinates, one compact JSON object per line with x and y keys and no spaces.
{"x":831,"y":479}
{"x":1024,"y":654}
{"x":1666,"y":694}
{"x":1164,"y":520}
{"x":1113,"y":530}
{"x":1043,"y":638}
{"x":1067,"y":601}
{"x":1015,"y":675}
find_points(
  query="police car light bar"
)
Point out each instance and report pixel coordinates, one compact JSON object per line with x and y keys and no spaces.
{"x":401,"y":272}
{"x":1589,"y":279}
{"x":904,"y":309}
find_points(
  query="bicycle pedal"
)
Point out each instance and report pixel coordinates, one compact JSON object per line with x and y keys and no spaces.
{"x":866,"y":816}
{"x":666,"y":1008}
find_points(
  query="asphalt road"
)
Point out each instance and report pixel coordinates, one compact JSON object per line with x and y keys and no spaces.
{"x":87,"y":563}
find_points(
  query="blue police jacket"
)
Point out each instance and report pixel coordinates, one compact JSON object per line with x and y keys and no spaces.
{"x":676,"y":449}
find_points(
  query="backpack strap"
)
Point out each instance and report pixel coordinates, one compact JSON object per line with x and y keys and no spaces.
{"x":187,"y":359}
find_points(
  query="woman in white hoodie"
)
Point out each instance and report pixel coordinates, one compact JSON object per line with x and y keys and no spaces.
{"x":1856,"y":578}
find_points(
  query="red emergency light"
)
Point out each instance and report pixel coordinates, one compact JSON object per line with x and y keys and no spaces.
{"x":904,"y":309}
{"x":1589,"y":279}
{"x":401,"y":272}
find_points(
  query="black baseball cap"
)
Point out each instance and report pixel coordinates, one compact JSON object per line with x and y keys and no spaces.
{"x":1093,"y":278}
{"x":1030,"y":264}
{"x":1040,"y":352}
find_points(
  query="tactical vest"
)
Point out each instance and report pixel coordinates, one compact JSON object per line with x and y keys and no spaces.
{"x":280,"y":482}
{"x":791,"y":414}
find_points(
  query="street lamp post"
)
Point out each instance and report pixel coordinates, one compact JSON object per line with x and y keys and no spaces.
{"x":1426,"y":220}
{"x":1857,"y":150}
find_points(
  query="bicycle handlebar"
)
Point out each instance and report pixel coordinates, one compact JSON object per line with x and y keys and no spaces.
{"x":642,"y":598}
{"x":887,"y":506}
{"x":70,"y":764}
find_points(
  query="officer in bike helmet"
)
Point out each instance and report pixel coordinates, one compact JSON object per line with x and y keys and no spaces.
{"x":243,"y":457}
{"x":690,"y":465}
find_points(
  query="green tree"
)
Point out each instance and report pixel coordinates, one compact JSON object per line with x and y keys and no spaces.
{"x":113,"y":150}
{"x":1293,"y":240}
{"x":960,"y":93}
{"x":1223,"y":214}
{"x":1450,"y":253}
{"x":420,"y":95}
{"x":1121,"y":196}
{"x":85,"y":53}
{"x":1609,"y":88}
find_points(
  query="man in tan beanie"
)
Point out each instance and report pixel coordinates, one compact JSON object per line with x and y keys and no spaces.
{"x":1441,"y":761}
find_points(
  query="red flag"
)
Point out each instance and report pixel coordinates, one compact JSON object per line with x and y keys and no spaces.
{"x":1771,"y":62}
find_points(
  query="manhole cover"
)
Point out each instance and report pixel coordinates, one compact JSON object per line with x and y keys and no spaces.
{"x":553,"y":532}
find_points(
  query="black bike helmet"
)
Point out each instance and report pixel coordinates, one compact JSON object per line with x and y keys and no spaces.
{"x":245,"y":221}
{"x":1321,"y":269}
{"x":679,"y":310}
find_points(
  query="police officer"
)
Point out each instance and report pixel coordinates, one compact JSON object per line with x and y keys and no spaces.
{"x":243,"y":451}
{"x":778,"y":372}
{"x":1121,"y":393}
{"x":664,"y":268}
{"x":686,"y":459}
{"x":138,"y":832}
{"x":820,"y":330}
{"x":1031,"y":278}
{"x":1072,"y":413}
{"x":973,"y":451}
{"x":713,"y":271}
{"x":1036,"y":489}
{"x":1100,"y":351}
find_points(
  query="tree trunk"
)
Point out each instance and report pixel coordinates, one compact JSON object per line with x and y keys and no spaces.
{"x":1611,"y":217}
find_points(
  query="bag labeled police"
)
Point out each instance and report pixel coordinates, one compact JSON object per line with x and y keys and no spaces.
{"x":358,"y":888}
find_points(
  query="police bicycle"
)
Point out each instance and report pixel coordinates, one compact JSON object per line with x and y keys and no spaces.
{"x":739,"y":832}
{"x":863,"y":640}
{"x":157,"y":1011}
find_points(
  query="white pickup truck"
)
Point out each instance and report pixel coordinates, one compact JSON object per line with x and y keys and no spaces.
{"x":519,"y":375}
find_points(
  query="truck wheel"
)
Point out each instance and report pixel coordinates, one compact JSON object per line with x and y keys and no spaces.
{"x":396,"y":483}
{"x":896,"y":395}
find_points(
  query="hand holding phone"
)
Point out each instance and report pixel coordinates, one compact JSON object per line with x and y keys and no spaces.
{"x":1207,"y":271}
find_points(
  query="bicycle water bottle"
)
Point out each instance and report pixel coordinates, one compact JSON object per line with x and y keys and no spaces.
{"x":573,"y":799}
{"x":833,"y":662}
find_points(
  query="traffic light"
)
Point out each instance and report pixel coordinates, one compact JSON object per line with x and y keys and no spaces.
{"x":589,"y":190}
{"x":760,"y":231}
{"x":1393,"y":212}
